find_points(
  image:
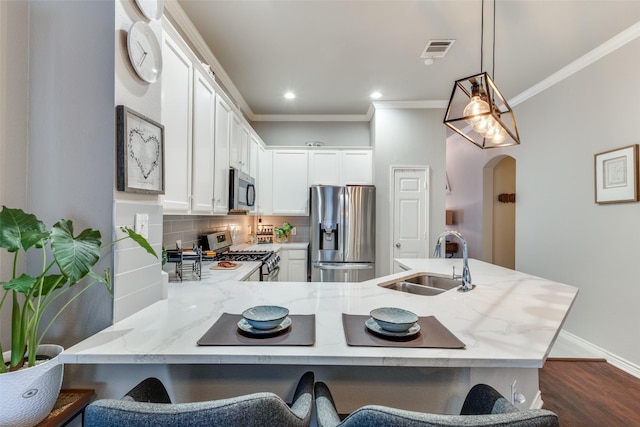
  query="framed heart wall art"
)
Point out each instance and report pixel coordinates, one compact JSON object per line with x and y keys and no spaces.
{"x":140,"y":151}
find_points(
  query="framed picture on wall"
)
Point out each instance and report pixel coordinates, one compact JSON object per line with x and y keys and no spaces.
{"x":140,"y":152}
{"x":616,"y":175}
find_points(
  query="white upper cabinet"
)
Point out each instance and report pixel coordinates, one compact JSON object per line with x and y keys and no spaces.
{"x":204,"y":102}
{"x":254,"y":144}
{"x":264,"y":182}
{"x":177,"y":83}
{"x":325,"y":167}
{"x":290,"y":182}
{"x":223,"y":122}
{"x":340,"y":167}
{"x":239,"y":144}
{"x":357,"y":167}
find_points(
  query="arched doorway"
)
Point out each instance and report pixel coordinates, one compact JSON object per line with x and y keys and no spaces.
{"x":499,"y":217}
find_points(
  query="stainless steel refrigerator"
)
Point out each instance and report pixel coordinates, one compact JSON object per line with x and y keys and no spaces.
{"x":343,"y":233}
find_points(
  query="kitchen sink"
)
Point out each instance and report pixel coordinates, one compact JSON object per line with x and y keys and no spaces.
{"x":423,"y":284}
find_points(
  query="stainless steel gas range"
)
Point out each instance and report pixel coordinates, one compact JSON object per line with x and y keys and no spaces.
{"x":220,"y":242}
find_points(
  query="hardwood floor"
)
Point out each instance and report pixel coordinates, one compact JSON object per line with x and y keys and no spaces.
{"x":590,"y":392}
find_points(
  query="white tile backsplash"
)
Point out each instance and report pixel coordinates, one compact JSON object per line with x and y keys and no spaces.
{"x":136,"y":274}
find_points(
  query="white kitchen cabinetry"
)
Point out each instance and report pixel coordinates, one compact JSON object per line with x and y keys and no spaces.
{"x":357,"y":167}
{"x":325,"y":167}
{"x":239,"y":144}
{"x":177,"y":90}
{"x":254,"y":144}
{"x":340,"y":167}
{"x":293,"y":265}
{"x":204,"y":102}
{"x":221,"y":148}
{"x":264,"y":182}
{"x":290,"y":188}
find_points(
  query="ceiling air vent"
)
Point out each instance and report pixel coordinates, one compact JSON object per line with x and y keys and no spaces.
{"x":436,"y":48}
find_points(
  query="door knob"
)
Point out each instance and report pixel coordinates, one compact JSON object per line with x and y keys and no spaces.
{"x":398,"y":245}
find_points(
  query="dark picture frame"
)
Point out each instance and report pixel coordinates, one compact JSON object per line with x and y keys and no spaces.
{"x":140,"y":152}
{"x":616,"y":175}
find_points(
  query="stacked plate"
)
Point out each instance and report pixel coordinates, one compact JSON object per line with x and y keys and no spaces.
{"x":393,"y":322}
{"x":264,"y":320}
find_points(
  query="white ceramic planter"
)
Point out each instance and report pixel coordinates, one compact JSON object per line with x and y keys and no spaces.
{"x":28,"y":395}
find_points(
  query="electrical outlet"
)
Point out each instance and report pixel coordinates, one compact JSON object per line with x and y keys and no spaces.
{"x":293,"y":231}
{"x":141,"y":224}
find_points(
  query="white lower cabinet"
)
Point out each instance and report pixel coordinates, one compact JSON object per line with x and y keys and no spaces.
{"x":254,"y":277}
{"x":293,"y":265}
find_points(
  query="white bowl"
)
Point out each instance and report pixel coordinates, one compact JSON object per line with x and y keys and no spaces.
{"x":265,"y":316}
{"x":394,"y":319}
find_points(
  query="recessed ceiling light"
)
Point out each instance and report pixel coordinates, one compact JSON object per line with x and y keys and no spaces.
{"x":375,"y":95}
{"x":290,"y":95}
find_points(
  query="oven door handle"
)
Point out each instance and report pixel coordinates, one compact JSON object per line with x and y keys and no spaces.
{"x":273,"y":274}
{"x":342,"y":266}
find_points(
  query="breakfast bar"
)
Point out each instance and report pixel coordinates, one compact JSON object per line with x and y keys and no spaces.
{"x":507,"y":324}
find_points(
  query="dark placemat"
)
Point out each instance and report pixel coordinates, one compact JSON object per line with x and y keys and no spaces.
{"x":226,"y":332}
{"x":432,"y":334}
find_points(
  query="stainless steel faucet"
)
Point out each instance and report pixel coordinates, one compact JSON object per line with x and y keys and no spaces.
{"x":466,"y":274}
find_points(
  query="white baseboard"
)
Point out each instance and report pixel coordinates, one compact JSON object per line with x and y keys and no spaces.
{"x":611,"y":358}
{"x":537,"y":401}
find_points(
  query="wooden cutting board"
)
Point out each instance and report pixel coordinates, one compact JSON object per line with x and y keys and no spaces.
{"x":216,"y":267}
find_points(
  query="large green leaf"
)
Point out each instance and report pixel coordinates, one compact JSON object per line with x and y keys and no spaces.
{"x":51,"y":283}
{"x":20,"y":230}
{"x":22,"y":284}
{"x":75,"y":256}
{"x":140,"y":240}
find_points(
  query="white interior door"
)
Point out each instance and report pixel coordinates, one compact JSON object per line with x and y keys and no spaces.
{"x":410,"y":214}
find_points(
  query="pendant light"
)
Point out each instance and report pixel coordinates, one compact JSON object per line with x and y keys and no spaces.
{"x":477,"y":110}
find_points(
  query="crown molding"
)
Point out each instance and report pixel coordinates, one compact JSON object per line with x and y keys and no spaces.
{"x":310,"y":118}
{"x":183,"y":25}
{"x":599,"y":52}
{"x":410,"y":104}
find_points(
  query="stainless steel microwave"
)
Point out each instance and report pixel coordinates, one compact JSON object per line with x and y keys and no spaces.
{"x":242,"y":191}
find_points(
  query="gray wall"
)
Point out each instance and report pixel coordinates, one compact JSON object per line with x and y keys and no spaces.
{"x":407,"y":137}
{"x":14,"y":41}
{"x":297,"y":134}
{"x":561,"y":233}
{"x":71,"y":136}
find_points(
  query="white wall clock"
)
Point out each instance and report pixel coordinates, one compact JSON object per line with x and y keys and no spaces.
{"x":152,"y":9}
{"x":145,"y":52}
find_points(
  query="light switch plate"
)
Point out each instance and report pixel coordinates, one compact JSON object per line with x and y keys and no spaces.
{"x":141,"y":224}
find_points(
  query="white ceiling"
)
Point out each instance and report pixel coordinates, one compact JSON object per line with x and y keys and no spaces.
{"x":334,"y":53}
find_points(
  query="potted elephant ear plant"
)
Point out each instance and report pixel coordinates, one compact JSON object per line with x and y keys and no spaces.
{"x":29,"y":386}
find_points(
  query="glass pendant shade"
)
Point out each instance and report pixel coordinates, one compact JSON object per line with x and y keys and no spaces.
{"x":478,"y":112}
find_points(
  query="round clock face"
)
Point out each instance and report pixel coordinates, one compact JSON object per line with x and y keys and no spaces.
{"x":145,"y":53}
{"x":152,"y":9}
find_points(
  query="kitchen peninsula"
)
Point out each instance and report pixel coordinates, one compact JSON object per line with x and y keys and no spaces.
{"x":508,"y":323}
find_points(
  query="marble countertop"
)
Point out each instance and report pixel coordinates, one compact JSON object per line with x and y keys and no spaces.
{"x":510,"y":319}
{"x":241,"y":273}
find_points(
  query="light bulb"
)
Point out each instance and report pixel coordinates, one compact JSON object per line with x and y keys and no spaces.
{"x":499,"y":137}
{"x":495,"y":132}
{"x":474,"y":108}
{"x":482,"y":124}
